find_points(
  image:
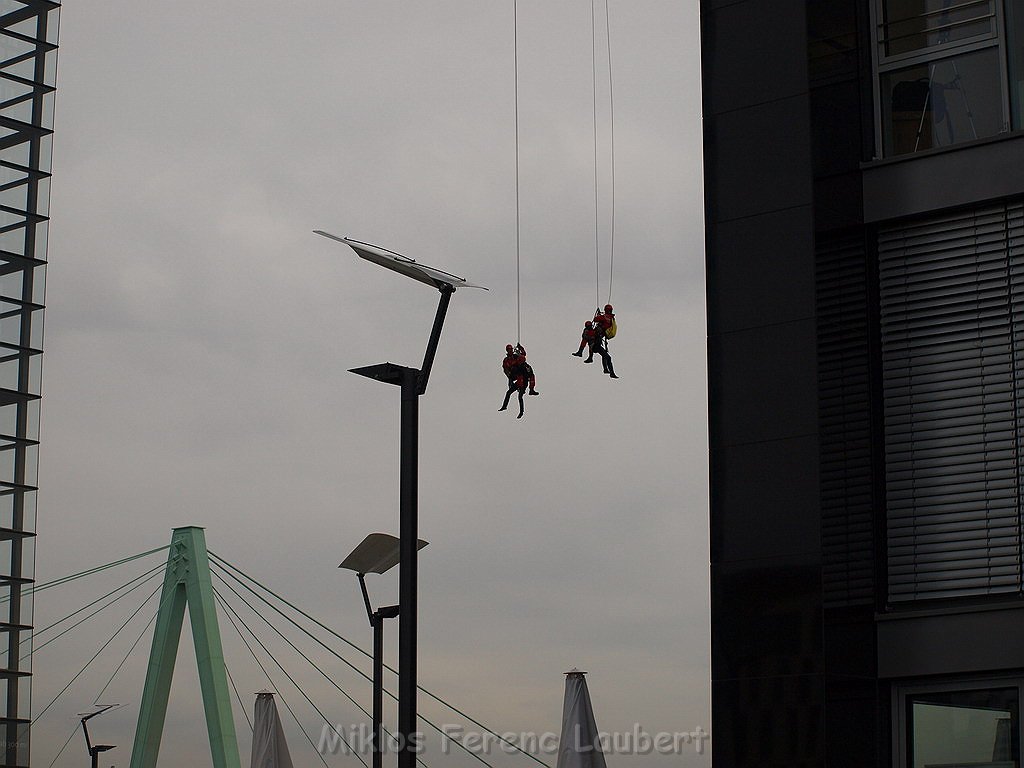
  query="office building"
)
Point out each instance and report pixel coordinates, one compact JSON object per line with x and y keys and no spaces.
{"x":864,"y":169}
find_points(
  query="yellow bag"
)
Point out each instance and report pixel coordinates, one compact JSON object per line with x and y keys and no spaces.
{"x":612,"y":329}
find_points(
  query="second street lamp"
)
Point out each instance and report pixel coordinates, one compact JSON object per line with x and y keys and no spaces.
{"x":377,"y":553}
{"x":413,"y":383}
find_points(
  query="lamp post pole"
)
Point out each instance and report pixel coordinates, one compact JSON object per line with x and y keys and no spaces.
{"x":413,"y":383}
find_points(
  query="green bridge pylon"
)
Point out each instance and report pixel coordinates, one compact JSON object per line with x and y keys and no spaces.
{"x":186,"y":581}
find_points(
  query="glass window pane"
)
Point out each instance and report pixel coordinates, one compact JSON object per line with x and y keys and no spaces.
{"x":942,"y":103}
{"x":913,"y":25}
{"x":963,"y":728}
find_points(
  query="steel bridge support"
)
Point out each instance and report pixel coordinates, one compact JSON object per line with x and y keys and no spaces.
{"x":186,"y":582}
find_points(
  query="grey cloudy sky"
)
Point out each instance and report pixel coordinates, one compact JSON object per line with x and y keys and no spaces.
{"x":198,"y":337}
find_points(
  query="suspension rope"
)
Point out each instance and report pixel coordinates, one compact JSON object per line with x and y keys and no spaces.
{"x":515,"y":60}
{"x":147,"y":576}
{"x":597,"y":207}
{"x":355,"y":647}
{"x":611,"y":115}
{"x":65,"y":579}
{"x":241,"y":706}
{"x":228,"y":611}
{"x":611,"y":121}
{"x":91,"y":660}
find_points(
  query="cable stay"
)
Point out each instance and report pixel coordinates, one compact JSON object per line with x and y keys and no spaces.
{"x":94,"y":657}
{"x":73,"y":577}
{"x":291,"y":645}
{"x":232,"y":616}
{"x":149,"y":576}
{"x":238,"y":698}
{"x":231,"y":570}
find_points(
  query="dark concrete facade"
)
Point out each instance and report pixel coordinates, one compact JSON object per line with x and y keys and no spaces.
{"x":806,"y":645}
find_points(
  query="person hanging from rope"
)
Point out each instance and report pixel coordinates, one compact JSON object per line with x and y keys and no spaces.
{"x":589,"y":334}
{"x":603,"y":322}
{"x":520,"y":375}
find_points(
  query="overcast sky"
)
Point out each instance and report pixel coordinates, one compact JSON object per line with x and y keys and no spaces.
{"x":198,"y":337}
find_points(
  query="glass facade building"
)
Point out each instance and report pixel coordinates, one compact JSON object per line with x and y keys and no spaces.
{"x":28,"y":51}
{"x":864,"y":169}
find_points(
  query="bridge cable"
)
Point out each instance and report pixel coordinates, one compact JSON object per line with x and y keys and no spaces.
{"x":291,"y":680}
{"x":355,"y":668}
{"x":313,"y":664}
{"x":245,"y":712}
{"x":65,"y":579}
{"x":90,"y":661}
{"x":137,"y":641}
{"x":74,"y":730}
{"x":150,"y":577}
{"x":360,"y":650}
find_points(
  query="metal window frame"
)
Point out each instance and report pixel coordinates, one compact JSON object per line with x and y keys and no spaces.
{"x":900,"y":724}
{"x":882,"y":64}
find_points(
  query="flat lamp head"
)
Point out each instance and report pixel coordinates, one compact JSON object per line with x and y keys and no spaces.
{"x":377,"y":553}
{"x":432,"y":276}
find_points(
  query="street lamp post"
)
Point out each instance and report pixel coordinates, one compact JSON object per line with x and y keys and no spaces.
{"x":377,"y":553}
{"x":413,"y":383}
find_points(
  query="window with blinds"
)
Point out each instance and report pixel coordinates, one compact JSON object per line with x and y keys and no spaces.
{"x":952,"y":337}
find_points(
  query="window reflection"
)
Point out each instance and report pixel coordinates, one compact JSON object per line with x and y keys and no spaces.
{"x":957,"y":729}
{"x":942,"y":103}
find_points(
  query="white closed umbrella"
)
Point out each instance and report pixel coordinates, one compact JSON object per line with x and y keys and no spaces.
{"x":269,"y":748}
{"x":579,"y":745}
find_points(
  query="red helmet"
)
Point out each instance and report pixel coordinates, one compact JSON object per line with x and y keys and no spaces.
{"x":588,"y":324}
{"x":508,"y":348}
{"x":607,"y":307}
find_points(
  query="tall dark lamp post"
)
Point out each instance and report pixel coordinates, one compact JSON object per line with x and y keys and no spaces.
{"x":377,"y":553}
{"x":413,"y":383}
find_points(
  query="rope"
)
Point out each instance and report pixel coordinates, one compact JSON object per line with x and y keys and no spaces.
{"x":515,"y":60}
{"x":597,"y":208}
{"x":228,"y":611}
{"x":597,"y":196}
{"x":611,"y":115}
{"x":355,"y":647}
{"x":90,"y":661}
{"x":65,"y":579}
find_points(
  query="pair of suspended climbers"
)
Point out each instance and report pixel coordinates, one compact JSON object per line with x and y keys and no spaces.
{"x":520,"y":375}
{"x":598,"y":331}
{"x":595,"y":337}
